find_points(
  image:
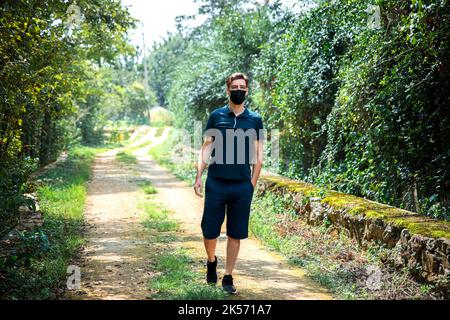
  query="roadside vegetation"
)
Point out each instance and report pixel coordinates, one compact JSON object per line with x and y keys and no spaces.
{"x":37,"y":266}
{"x":331,"y":257}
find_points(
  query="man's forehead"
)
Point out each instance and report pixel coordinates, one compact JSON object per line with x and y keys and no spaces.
{"x":238,"y":82}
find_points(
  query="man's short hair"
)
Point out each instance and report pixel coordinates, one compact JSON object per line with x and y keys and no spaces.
{"x":236,"y":76}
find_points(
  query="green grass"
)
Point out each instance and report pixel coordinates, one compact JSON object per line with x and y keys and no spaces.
{"x":178,"y":276}
{"x":140,"y":146}
{"x":157,"y":218}
{"x":38,"y":269}
{"x":147,"y":187}
{"x":126,"y":157}
{"x":165,"y":237}
{"x":159,"y":131}
{"x":179,"y":280}
{"x":149,"y":190}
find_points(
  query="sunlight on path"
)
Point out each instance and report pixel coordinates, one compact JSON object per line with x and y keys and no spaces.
{"x":115,"y":257}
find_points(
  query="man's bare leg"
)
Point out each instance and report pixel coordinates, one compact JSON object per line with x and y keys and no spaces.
{"x":233,"y":246}
{"x":210,"y":246}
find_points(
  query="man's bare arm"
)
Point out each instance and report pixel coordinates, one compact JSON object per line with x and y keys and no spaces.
{"x":203,"y":156}
{"x":259,"y":146}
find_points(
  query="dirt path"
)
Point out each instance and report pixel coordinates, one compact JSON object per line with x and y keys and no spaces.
{"x":116,"y":258}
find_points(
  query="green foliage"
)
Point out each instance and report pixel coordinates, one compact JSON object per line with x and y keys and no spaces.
{"x":37,"y":267}
{"x":297,"y":72}
{"x":149,"y":190}
{"x":160,"y":117}
{"x":386,"y":132}
{"x":162,"y":63}
{"x":189,"y":71}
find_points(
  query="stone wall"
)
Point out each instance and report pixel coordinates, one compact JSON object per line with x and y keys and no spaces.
{"x":423,"y":243}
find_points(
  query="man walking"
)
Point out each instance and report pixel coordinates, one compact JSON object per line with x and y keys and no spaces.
{"x":233,"y":151}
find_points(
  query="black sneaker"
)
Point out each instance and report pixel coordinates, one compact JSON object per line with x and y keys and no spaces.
{"x":211,"y":271}
{"x":227,"y":284}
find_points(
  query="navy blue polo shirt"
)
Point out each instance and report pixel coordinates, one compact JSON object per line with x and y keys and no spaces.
{"x":231,"y":150}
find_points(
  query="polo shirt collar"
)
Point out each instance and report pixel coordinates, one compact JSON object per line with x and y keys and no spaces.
{"x":243,"y":114}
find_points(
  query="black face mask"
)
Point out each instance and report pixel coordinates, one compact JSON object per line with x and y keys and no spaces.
{"x":237,"y":96}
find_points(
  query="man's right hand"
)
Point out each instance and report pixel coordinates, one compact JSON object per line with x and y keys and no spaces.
{"x":198,"y":187}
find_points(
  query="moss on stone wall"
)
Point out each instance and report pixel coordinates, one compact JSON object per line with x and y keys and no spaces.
{"x":415,"y":223}
{"x":292,"y":185}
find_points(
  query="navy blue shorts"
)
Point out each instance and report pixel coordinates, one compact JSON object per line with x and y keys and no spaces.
{"x":232,"y":196}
